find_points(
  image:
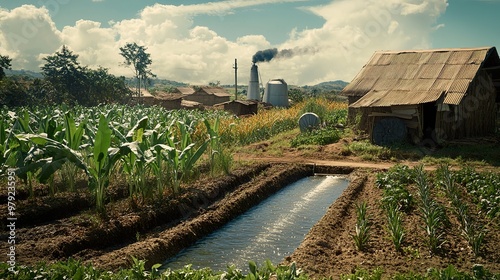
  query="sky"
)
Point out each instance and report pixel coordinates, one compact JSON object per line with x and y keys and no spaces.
{"x":197,"y":42}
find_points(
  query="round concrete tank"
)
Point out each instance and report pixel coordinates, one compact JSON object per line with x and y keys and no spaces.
{"x":276,"y":93}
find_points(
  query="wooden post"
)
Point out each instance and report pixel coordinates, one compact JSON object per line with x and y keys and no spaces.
{"x":235,"y":79}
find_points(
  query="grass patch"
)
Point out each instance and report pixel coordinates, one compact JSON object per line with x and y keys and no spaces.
{"x":317,"y":137}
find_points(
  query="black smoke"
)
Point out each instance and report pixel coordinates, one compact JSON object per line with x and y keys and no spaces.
{"x":269,"y":54}
{"x":265,"y":55}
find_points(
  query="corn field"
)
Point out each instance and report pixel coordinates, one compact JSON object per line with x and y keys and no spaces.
{"x":142,"y":144}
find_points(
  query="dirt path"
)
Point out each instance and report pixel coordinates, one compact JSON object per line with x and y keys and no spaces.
{"x":323,"y":162}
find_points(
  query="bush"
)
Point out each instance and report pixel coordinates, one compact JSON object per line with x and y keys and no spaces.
{"x":317,"y":137}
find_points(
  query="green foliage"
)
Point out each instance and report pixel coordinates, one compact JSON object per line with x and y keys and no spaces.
{"x":363,"y":224}
{"x":317,"y":137}
{"x":395,"y":225}
{"x":4,"y":64}
{"x":64,"y":81}
{"x":144,"y":143}
{"x":364,"y":274}
{"x":73,"y":269}
{"x":312,"y":106}
{"x":393,"y":184}
{"x":367,"y":150}
{"x":483,"y":188}
{"x":220,"y":158}
{"x":432,"y":213}
{"x":137,"y":57}
{"x":471,"y":230}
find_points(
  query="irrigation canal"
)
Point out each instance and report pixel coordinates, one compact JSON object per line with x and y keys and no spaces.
{"x":271,"y":230}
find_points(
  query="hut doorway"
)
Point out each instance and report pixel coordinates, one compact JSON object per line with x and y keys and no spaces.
{"x":429,"y":112}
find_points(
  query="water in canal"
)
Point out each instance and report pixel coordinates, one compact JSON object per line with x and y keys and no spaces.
{"x":271,"y":230}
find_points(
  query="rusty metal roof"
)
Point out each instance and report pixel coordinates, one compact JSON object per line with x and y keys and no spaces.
{"x":386,"y":98}
{"x":416,"y":76}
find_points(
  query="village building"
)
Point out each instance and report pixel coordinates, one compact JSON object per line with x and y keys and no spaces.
{"x":206,"y":95}
{"x":440,"y":94}
{"x":165,"y":100}
{"x":240,"y":107}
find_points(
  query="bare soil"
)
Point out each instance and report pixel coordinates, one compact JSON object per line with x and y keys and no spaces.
{"x":57,"y":228}
{"x":329,"y":250}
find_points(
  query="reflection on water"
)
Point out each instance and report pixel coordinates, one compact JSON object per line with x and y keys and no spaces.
{"x":271,"y":230}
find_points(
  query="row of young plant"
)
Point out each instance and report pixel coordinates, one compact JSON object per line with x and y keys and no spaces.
{"x":142,"y":143}
{"x":76,"y":270}
{"x":397,"y":201}
{"x":472,"y":231}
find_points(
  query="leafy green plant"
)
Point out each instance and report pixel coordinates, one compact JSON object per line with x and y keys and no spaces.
{"x":432,"y":213}
{"x":317,"y":137}
{"x":483,"y":187}
{"x":395,"y":225}
{"x":471,"y":231}
{"x":220,"y":157}
{"x":393,"y":184}
{"x":364,"y":274}
{"x":103,"y":161}
{"x":363,"y":224}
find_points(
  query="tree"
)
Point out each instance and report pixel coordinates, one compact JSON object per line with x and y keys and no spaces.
{"x":137,"y":57}
{"x":103,"y":87}
{"x":4,"y":64}
{"x":76,"y":84}
{"x":66,"y":75}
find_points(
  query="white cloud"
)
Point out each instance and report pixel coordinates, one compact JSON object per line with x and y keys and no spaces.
{"x":27,"y":33}
{"x":183,"y":51}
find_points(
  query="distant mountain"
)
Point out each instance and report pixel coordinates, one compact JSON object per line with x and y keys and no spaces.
{"x":23,"y":72}
{"x":328,"y":86}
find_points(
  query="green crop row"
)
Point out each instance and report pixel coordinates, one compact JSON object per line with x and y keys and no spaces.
{"x":483,"y":188}
{"x":75,"y":270}
{"x":141,"y":142}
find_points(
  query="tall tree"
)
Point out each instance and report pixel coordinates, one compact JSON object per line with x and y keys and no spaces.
{"x":65,"y":73}
{"x":4,"y":64}
{"x":136,"y":57}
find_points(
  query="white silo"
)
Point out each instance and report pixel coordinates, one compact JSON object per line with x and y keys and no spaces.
{"x":276,"y":93}
{"x":253,"y":92}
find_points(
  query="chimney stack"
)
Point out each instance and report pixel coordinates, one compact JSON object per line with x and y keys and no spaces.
{"x":253,"y":92}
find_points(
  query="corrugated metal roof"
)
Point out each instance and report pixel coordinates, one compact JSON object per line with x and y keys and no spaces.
{"x":453,"y":98}
{"x":386,"y":98}
{"x":459,"y":58}
{"x":405,"y":77}
{"x":450,"y":71}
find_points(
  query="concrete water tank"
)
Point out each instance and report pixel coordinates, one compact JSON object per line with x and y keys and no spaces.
{"x":276,"y":93}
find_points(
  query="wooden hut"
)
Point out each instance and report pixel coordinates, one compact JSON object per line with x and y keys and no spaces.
{"x":208,"y":96}
{"x":240,"y":107}
{"x":440,"y":94}
{"x":167,"y":101}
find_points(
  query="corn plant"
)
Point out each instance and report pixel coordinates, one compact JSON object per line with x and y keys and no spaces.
{"x":432,"y":213}
{"x":182,"y":156}
{"x":134,"y":163}
{"x":362,"y":235}
{"x":395,"y":225}
{"x":158,"y":160}
{"x":219,"y":156}
{"x":73,"y":136}
{"x":46,"y":156}
{"x":103,"y":161}
{"x":471,"y":231}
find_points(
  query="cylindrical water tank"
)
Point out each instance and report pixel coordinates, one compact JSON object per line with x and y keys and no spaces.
{"x":276,"y":93}
{"x":253,"y":92}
